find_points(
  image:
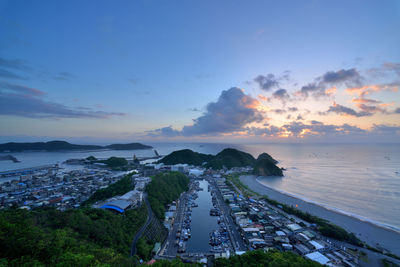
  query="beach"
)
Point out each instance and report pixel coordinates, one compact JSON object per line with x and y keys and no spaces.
{"x":366,"y":231}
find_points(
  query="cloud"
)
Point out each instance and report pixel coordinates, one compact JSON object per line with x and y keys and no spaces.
{"x":231,"y":112}
{"x":165,"y":131}
{"x":8,"y":66}
{"x":14,"y":64}
{"x":64,"y":76}
{"x":293,"y":109}
{"x":10,"y":75}
{"x":397,"y":111}
{"x":26,"y":102}
{"x":392,"y":67}
{"x":267,"y":82}
{"x":270,"y":81}
{"x":20,"y":89}
{"x":346,"y":111}
{"x":325,"y":85}
{"x":348,"y":77}
{"x":279,"y":111}
{"x":365,"y":90}
{"x":281,"y":94}
{"x":298,"y":129}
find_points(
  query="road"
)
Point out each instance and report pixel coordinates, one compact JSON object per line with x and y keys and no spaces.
{"x":150,"y":216}
{"x":236,"y":238}
{"x":170,"y":249}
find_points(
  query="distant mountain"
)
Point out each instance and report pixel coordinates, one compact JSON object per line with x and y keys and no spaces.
{"x":130,"y":146}
{"x":229,"y":158}
{"x":62,"y":145}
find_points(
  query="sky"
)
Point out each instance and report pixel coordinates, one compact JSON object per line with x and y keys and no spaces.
{"x":207,"y":71}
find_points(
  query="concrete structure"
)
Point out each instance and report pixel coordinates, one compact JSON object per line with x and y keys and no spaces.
{"x":318,"y":257}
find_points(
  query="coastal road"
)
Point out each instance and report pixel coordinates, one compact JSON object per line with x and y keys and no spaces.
{"x":150,"y":216}
{"x":366,"y":231}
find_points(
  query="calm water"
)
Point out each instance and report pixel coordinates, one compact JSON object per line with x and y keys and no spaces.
{"x":202,"y":223}
{"x":362,"y":180}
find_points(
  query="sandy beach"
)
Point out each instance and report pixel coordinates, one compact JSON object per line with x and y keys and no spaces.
{"x":366,"y":231}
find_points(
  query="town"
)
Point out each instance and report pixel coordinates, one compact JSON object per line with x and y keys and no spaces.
{"x":243,"y":223}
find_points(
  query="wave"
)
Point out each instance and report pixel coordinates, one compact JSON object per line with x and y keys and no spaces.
{"x":334,"y":209}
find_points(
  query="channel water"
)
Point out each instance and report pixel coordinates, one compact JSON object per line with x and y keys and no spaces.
{"x":202,"y":223}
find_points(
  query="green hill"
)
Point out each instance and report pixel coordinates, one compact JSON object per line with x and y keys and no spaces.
{"x":265,"y":166}
{"x":229,"y":158}
{"x":186,"y":156}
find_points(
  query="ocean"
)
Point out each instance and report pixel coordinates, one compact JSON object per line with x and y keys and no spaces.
{"x":361,"y":180}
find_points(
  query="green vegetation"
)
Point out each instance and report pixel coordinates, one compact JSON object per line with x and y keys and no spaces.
{"x":115,"y":162}
{"x":227,"y":158}
{"x":119,"y":188}
{"x":165,"y":188}
{"x":79,"y":237}
{"x":270,"y":258}
{"x":131,"y":146}
{"x":265,"y":166}
{"x":62,"y":145}
{"x":230,"y":158}
{"x":186,"y":156}
{"x":91,"y":158}
{"x":234,"y":179}
{"x":388,"y":263}
{"x":144,"y":248}
{"x":325,"y":227}
{"x":174,"y":263}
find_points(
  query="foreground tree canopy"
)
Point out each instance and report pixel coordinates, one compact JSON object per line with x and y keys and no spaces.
{"x":79,"y":237}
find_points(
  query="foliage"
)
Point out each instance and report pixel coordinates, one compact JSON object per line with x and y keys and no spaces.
{"x":388,"y":263}
{"x":62,"y":145}
{"x":227,"y":158}
{"x":79,"y":237}
{"x":326,"y":228}
{"x":264,"y":167}
{"x":174,"y":263}
{"x":186,"y":156}
{"x":114,"y":162}
{"x":165,"y":188}
{"x":230,"y":158}
{"x":261,"y":258}
{"x":131,"y":146}
{"x":144,"y":248}
{"x":234,"y":179}
{"x":119,"y":188}
{"x":267,"y":157}
{"x":91,"y":158}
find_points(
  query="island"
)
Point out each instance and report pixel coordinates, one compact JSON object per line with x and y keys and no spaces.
{"x":228,"y":158}
{"x":63,"y":145}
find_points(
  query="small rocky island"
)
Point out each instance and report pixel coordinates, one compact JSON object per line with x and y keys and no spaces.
{"x":264,"y":165}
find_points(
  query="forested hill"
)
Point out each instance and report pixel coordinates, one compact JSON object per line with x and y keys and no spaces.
{"x":62,"y":145}
{"x":229,"y":157}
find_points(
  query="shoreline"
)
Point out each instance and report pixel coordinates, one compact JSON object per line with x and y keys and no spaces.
{"x":333,"y":209}
{"x":365,"y":230}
